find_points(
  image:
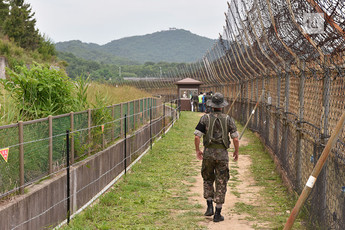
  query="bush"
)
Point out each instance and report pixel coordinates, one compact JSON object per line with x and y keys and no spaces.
{"x":40,"y":91}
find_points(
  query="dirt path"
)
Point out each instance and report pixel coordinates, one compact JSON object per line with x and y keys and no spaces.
{"x":243,"y":190}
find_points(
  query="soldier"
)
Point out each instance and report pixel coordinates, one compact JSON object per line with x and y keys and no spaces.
{"x":195,"y":101}
{"x":208,"y":97}
{"x":215,"y":128}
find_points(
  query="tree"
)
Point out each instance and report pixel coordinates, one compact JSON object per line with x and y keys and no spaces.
{"x":20,"y":25}
{"x":4,"y":11}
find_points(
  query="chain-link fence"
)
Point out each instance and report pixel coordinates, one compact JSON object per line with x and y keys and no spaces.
{"x":37,"y":148}
{"x":293,"y":52}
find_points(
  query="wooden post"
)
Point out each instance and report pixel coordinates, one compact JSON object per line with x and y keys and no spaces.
{"x":50,"y":131}
{"x":21,"y":156}
{"x":317,"y":169}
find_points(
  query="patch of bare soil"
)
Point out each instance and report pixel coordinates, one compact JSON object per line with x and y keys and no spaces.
{"x":246,"y":191}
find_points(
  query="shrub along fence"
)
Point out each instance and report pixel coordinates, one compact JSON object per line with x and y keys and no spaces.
{"x":36,"y":148}
{"x":48,"y":203}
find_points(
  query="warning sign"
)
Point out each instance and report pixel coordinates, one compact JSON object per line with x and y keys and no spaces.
{"x":4,"y":153}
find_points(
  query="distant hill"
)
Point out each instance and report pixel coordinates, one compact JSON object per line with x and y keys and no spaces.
{"x":175,"y":45}
{"x":91,"y":52}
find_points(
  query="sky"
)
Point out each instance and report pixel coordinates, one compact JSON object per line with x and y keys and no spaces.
{"x":101,"y":21}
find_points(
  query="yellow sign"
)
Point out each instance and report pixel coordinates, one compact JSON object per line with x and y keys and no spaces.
{"x":4,"y":153}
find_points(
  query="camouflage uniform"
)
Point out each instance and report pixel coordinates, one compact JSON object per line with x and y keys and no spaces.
{"x":215,"y":163}
{"x":208,"y":108}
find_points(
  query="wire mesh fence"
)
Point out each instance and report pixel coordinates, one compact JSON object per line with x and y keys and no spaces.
{"x":293,"y":51}
{"x":37,"y":148}
{"x":92,"y":176}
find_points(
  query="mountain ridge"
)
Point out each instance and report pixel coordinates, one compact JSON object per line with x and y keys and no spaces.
{"x":174,"y":45}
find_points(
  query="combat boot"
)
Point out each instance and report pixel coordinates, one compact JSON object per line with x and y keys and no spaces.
{"x":209,"y":210}
{"x":217,"y":217}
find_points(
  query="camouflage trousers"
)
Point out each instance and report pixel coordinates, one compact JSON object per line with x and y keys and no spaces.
{"x":215,"y":170}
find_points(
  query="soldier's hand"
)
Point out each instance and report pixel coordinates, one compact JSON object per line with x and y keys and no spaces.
{"x":199,"y":154}
{"x":235,"y":155}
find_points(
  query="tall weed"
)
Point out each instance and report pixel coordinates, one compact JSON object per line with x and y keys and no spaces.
{"x":40,"y":91}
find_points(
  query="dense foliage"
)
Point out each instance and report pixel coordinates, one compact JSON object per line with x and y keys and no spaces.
{"x":40,"y":91}
{"x":113,"y":73}
{"x":167,"y":46}
{"x":96,"y":71}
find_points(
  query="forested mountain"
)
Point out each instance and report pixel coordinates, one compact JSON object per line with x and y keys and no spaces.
{"x":175,"y":45}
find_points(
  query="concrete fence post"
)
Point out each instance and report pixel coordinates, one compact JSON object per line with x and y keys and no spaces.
{"x":2,"y":67}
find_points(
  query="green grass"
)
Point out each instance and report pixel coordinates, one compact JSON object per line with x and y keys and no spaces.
{"x":277,"y":201}
{"x":154,"y":195}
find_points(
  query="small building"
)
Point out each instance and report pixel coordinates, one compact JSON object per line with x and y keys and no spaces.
{"x":185,"y":89}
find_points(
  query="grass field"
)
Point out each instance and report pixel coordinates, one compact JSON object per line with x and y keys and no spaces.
{"x":98,"y":95}
{"x":113,"y":95}
{"x":154,"y":194}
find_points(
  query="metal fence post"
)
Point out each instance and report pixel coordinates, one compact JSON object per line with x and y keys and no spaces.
{"x":321,"y":183}
{"x":299,"y":130}
{"x":89,"y":130}
{"x":134,"y":114}
{"x":128,"y":116}
{"x":261,"y":119}
{"x":172,"y":114}
{"x":163,"y":118}
{"x":125,"y":144}
{"x":268,"y":111}
{"x":68,"y":178}
{"x":21,"y":156}
{"x":121,"y":120}
{"x":113,"y":124}
{"x":50,"y":131}
{"x":277,"y":117}
{"x":72,"y":137}
{"x":256,"y":118}
{"x":285,"y":118}
{"x":151,"y":127}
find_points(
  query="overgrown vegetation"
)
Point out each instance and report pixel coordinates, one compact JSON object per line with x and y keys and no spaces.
{"x":40,"y":91}
{"x":277,"y":201}
{"x":110,"y":72}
